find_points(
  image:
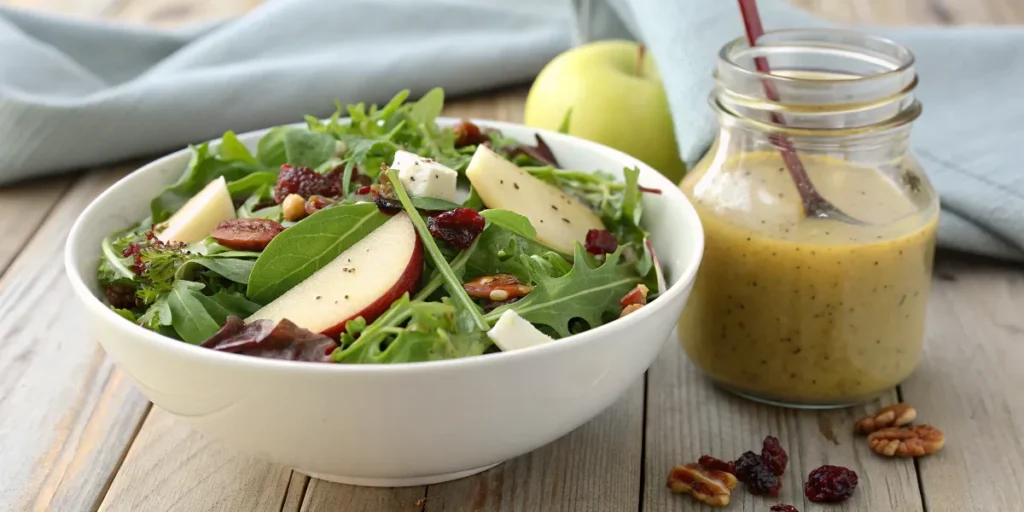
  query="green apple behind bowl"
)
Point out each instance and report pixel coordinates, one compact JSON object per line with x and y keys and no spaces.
{"x":608,"y":92}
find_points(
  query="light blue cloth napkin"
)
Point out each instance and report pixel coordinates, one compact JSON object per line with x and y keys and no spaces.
{"x":75,"y":93}
{"x":80,"y":93}
{"x":970,"y":139}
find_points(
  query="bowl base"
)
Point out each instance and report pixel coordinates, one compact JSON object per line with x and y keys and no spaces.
{"x":397,"y":482}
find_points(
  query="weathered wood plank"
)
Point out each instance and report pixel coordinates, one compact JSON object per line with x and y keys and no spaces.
{"x":688,"y":417}
{"x":323,"y":496}
{"x":594,"y":468}
{"x":969,"y":387}
{"x":66,"y":415}
{"x":23,"y":208}
{"x":171,"y":467}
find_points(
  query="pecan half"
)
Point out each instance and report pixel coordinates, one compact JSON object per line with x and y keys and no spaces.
{"x":317,"y":203}
{"x":895,"y":415}
{"x":497,"y":288}
{"x":708,"y":486}
{"x":246,"y":234}
{"x":907,"y":441}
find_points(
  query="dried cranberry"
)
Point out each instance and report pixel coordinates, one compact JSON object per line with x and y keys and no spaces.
{"x":307,"y":182}
{"x":713,"y":463}
{"x":362,"y":191}
{"x":758,"y":479}
{"x":784,"y":508}
{"x":458,"y":227}
{"x":601,"y":241}
{"x":773,"y":456}
{"x":467,"y":134}
{"x":830,"y":484}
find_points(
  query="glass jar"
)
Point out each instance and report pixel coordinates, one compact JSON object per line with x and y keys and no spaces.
{"x":799,"y":309}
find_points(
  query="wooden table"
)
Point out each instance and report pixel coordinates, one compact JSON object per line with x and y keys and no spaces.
{"x":76,"y":436}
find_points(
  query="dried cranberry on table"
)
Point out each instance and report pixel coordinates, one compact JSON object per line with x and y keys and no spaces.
{"x":458,"y":227}
{"x":306,"y":182}
{"x":716,"y":464}
{"x":600,"y":241}
{"x":757,"y":478}
{"x":468,"y":134}
{"x":784,"y":508}
{"x":773,"y":456}
{"x":830,"y":484}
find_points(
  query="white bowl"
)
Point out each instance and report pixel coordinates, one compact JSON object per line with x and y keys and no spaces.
{"x":401,"y":424}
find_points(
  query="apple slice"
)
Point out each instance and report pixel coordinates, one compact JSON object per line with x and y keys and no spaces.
{"x":362,"y":281}
{"x":200,"y":215}
{"x":559,"y":219}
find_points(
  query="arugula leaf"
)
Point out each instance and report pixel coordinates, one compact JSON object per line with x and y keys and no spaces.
{"x":157,"y":316}
{"x":452,"y":282}
{"x":429,"y":106}
{"x":233,"y":269}
{"x":428,"y":334}
{"x":235,"y":303}
{"x":308,"y":246}
{"x":188,"y":315}
{"x":585,"y":292}
{"x":500,"y":252}
{"x":511,"y":221}
{"x":231,"y":148}
{"x":203,"y":168}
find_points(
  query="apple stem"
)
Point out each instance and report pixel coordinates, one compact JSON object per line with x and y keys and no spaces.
{"x":640,"y":51}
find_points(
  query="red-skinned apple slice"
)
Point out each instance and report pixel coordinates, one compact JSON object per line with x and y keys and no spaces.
{"x":362,"y":281}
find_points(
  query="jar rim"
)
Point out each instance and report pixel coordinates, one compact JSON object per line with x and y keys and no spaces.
{"x":906,"y":58}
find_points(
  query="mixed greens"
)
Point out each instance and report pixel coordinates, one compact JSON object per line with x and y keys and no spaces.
{"x":481,"y":278}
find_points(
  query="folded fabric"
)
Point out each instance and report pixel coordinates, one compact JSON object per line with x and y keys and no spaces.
{"x":81,"y":93}
{"x":75,"y":94}
{"x":968,"y":139}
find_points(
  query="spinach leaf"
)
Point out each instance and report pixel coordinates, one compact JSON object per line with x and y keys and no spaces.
{"x":511,"y":221}
{"x":232,"y":269}
{"x":188,"y":315}
{"x":295,"y":146}
{"x":433,"y":204}
{"x":251,"y":183}
{"x":586,"y":292}
{"x":308,"y":149}
{"x":235,"y":303}
{"x":204,"y":168}
{"x":231,"y":148}
{"x":308,"y":246}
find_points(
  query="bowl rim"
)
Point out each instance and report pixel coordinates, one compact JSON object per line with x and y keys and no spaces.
{"x":97,"y":309}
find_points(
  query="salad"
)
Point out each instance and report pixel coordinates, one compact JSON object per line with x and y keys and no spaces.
{"x":382,"y":239}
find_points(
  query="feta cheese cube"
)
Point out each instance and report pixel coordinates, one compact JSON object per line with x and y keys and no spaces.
{"x":425,"y":177}
{"x":513,"y":332}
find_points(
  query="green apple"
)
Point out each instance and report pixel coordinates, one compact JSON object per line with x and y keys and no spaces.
{"x":608,"y":92}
